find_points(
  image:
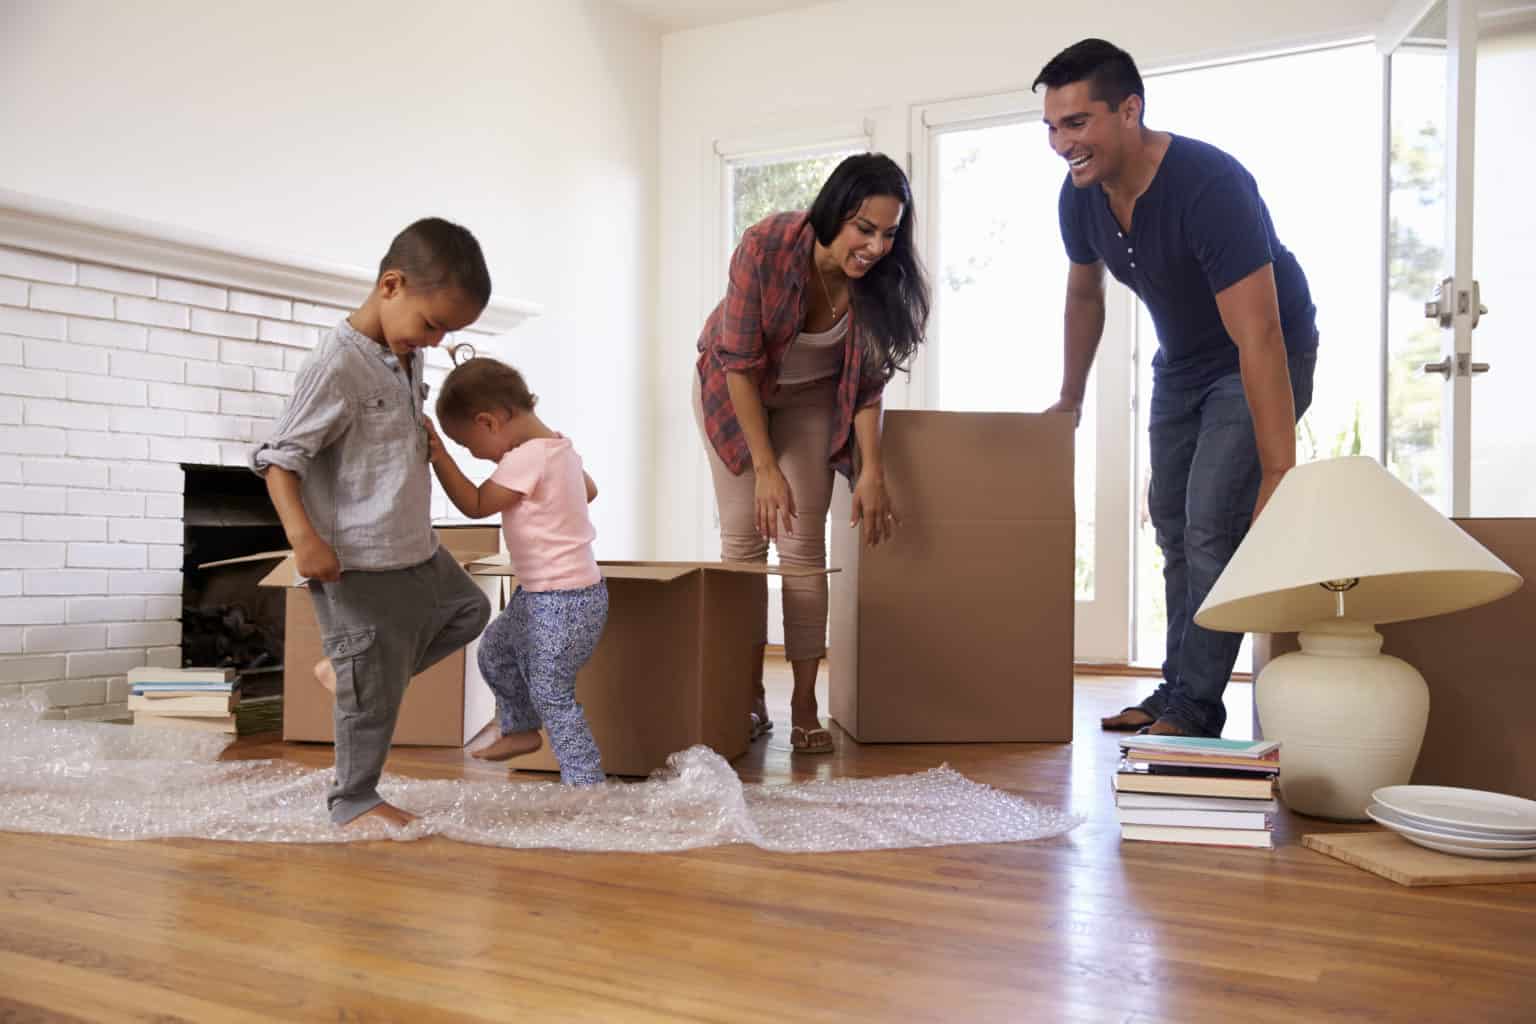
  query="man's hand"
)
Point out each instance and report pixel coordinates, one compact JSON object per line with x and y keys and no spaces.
{"x":316,"y":560}
{"x":1068,"y":405}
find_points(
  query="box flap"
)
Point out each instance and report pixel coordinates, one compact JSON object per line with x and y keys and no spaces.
{"x":645,"y":571}
{"x":263,"y":556}
{"x":286,"y":574}
{"x":751,"y":568}
{"x":968,"y":466}
{"x":662,"y":572}
{"x":612,"y":571}
{"x":465,"y":546}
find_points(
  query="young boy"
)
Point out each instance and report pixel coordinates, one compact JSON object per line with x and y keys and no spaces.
{"x":347,"y":468}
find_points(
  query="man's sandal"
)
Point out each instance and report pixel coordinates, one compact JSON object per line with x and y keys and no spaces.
{"x":1118,"y":722}
{"x":810,"y":741}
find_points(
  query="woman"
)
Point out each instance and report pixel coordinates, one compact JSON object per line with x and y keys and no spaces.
{"x":822,"y":308}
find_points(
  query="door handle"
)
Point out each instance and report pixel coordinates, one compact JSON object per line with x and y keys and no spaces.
{"x":1443,"y":309}
{"x":1440,"y":309}
{"x":1463,"y":367}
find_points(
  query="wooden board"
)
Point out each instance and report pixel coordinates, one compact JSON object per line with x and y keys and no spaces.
{"x":1391,"y":856}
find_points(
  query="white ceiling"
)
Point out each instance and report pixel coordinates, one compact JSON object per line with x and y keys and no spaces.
{"x":673,"y":15}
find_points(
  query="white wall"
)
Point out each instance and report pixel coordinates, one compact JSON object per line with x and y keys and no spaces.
{"x":324,"y":128}
{"x":833,"y":65}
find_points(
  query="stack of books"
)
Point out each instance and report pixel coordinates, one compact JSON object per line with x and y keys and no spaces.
{"x":1185,"y":789}
{"x":188,"y":698}
{"x":258,"y":714}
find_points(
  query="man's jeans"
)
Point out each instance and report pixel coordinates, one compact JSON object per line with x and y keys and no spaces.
{"x":1205,"y":479}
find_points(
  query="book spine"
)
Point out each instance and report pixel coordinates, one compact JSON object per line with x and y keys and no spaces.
{"x":1250,"y":838}
{"x":1197,"y":819}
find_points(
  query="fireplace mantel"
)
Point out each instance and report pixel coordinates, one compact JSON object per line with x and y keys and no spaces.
{"x":81,"y":233}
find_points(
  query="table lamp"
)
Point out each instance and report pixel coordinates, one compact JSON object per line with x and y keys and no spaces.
{"x":1341,"y":547}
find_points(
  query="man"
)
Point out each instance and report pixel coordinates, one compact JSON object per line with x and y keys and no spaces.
{"x":1181,"y":223}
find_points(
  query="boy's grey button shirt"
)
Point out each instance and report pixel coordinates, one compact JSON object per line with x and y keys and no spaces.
{"x":355,"y":434}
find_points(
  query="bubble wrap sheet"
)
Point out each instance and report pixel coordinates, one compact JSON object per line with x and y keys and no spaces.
{"x":119,"y":782}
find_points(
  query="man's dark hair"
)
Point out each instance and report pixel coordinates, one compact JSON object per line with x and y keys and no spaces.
{"x":434,"y":252}
{"x":1109,"y":71}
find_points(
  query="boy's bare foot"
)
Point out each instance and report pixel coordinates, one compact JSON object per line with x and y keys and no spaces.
{"x":514,"y":744}
{"x":389,"y":813}
{"x":326,"y":673}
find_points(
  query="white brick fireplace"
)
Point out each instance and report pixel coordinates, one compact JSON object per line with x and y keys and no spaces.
{"x":127,"y":350}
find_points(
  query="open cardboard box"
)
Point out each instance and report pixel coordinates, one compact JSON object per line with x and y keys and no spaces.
{"x":959,"y":628}
{"x":445,"y":706}
{"x":674,"y":666}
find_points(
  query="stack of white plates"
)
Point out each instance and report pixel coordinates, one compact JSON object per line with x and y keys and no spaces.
{"x":1464,"y":822}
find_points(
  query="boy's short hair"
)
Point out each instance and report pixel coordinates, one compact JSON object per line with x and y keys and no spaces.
{"x":481,"y":384}
{"x":1109,"y":71}
{"x":434,"y":252}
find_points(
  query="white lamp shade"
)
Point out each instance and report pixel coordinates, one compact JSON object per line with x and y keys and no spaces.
{"x":1343,"y":519}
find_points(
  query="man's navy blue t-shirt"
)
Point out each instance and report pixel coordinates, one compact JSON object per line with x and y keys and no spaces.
{"x":1200,"y":227}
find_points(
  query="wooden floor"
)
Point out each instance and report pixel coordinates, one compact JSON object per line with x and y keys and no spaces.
{"x":1078,"y":928}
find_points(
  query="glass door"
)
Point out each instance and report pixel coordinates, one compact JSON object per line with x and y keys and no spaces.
{"x":1459,"y":243}
{"x":1320,"y":178}
{"x":986,"y":185}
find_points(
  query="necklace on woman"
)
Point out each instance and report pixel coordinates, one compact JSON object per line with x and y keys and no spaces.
{"x":826,"y":291}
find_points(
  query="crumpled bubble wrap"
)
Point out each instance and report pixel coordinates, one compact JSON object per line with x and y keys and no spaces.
{"x":118,"y":782}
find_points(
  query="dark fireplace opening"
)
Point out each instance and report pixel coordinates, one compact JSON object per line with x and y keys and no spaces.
{"x":227,"y":620}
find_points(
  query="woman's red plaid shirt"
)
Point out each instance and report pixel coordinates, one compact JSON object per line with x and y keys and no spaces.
{"x":752,"y":328}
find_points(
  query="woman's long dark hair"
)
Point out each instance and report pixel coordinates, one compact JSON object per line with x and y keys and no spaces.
{"x":891,"y":301}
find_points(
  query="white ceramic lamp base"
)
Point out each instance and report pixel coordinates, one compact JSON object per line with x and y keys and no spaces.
{"x":1349,"y":719}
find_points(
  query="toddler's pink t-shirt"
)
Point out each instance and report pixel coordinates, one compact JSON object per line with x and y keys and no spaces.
{"x":549,"y":535}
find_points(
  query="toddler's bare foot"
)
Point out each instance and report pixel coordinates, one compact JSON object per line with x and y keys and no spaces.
{"x":389,"y":813}
{"x":514,"y":744}
{"x":326,"y":673}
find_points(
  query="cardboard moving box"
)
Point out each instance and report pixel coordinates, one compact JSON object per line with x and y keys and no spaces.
{"x":674,"y":666}
{"x":960,"y":628}
{"x":445,"y":706}
{"x":1480,"y":665}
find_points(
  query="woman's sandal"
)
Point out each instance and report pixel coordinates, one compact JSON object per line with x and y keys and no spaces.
{"x":810,"y":741}
{"x":761,"y":724}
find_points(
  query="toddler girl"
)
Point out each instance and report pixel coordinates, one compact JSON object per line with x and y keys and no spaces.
{"x":531,"y":652}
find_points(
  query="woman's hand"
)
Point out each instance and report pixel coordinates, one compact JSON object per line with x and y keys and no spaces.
{"x":872,"y":509}
{"x":772,"y":498}
{"x":316,"y":560}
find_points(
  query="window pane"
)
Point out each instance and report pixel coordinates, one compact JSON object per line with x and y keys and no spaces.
{"x":999,"y":284}
{"x":761,"y":188}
